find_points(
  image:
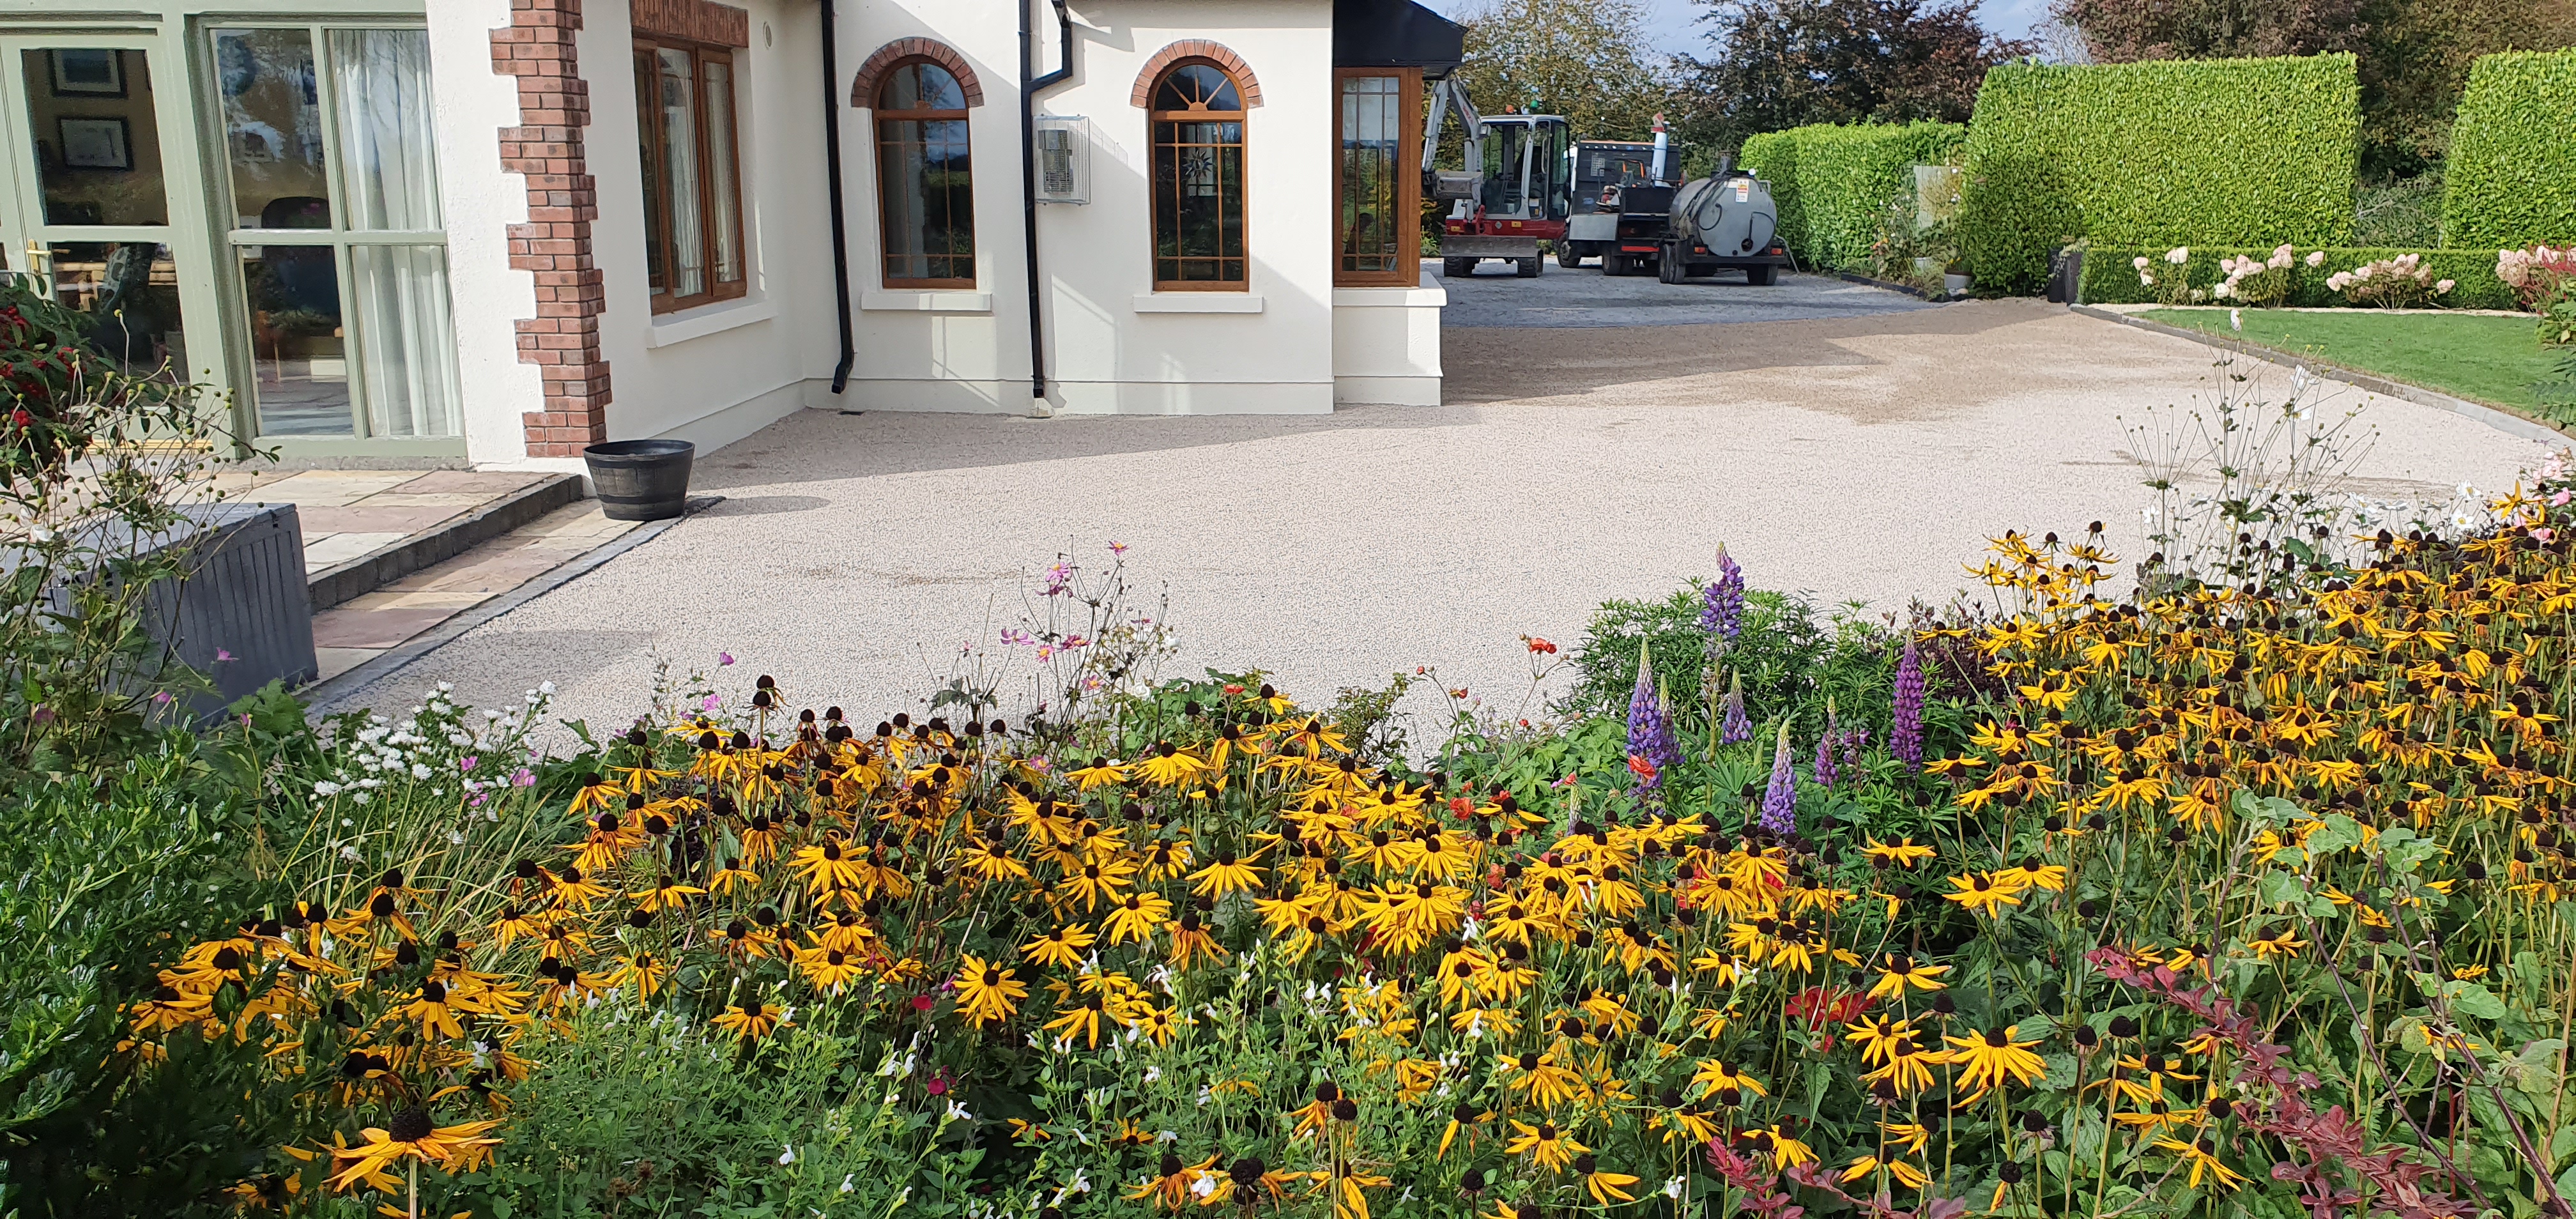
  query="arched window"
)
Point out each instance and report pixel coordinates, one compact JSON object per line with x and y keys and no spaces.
{"x":1197,"y":117}
{"x":925,"y":192}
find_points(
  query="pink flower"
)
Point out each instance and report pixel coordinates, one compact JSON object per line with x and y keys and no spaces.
{"x":2561,"y":499}
{"x":466,"y":763}
{"x":523,"y":777}
{"x":1118,"y":548}
{"x":2544,"y":535}
{"x":723,"y":659}
{"x":710,"y":703}
{"x":221,"y":656}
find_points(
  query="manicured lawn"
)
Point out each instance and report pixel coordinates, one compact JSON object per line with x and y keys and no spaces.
{"x":2485,"y":359}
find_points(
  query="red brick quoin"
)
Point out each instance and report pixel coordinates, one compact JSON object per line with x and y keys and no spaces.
{"x":863,"y":91}
{"x":1196,"y":48}
{"x":562,"y":340}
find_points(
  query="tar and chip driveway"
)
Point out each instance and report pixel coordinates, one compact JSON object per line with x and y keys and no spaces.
{"x":1867,"y":456}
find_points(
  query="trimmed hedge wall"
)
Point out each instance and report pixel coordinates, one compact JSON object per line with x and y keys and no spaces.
{"x":1829,"y":180}
{"x":2511,"y":178}
{"x":2111,"y":276}
{"x":2249,"y":152}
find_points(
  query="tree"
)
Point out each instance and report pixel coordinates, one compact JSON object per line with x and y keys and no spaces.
{"x":1588,"y":60}
{"x":2414,"y":55}
{"x":2124,"y":31}
{"x":1786,"y":63}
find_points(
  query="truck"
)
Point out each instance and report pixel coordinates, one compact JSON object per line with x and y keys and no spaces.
{"x":1723,"y":222}
{"x":1605,"y":171}
{"x":1516,"y":190}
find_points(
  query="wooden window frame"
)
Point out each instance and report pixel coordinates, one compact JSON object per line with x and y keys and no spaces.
{"x":878,"y":116}
{"x":648,"y":114}
{"x":1153,"y":148}
{"x":1407,"y":210}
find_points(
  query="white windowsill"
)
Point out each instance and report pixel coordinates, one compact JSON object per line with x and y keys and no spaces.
{"x":1198,"y":302}
{"x":927,"y":302}
{"x":706,"y":320}
{"x":1428,"y":292}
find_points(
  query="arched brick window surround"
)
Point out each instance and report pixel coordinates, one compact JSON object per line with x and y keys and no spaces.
{"x":1195,"y":48}
{"x":863,"y":92}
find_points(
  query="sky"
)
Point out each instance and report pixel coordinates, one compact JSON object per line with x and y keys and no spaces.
{"x":1676,"y":27}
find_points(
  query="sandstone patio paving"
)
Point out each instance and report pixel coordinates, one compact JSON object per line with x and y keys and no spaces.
{"x":349,"y":635}
{"x":349,"y":514}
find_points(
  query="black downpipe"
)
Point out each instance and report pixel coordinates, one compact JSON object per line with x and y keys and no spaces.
{"x":832,"y":171}
{"x":1029,"y":87}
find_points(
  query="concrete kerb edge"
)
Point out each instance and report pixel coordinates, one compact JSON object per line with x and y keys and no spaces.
{"x":2501,"y":420}
{"x":349,"y":581}
{"x":1891,"y":285}
{"x":403,"y":654}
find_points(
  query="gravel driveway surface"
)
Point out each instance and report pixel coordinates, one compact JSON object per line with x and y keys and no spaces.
{"x":1864,"y":456}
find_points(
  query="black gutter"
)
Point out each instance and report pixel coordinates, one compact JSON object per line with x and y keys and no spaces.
{"x":832,"y":170}
{"x":1029,"y":87}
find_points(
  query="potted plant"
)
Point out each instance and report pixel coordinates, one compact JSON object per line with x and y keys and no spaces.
{"x":640,"y":480}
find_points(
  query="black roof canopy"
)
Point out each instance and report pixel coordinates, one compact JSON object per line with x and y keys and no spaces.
{"x":1395,"y":34}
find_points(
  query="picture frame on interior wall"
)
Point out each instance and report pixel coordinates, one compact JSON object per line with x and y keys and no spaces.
{"x":87,"y":72}
{"x":96,"y":143}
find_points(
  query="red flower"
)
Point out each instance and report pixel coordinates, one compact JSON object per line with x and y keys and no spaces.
{"x":923,"y":1003}
{"x":1819,"y":1007}
{"x":1644,"y":769}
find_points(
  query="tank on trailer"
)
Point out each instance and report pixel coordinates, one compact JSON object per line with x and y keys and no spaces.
{"x":1725,"y":222}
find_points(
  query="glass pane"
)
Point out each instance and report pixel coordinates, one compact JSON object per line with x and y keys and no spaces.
{"x":648,"y":125}
{"x":725,"y":201}
{"x":299,"y":365}
{"x":98,"y":149}
{"x":688,"y":270}
{"x":921,"y":86}
{"x":1198,"y":202}
{"x":926,"y":189}
{"x":406,"y":342}
{"x":388,"y":136}
{"x":1372,"y":112}
{"x":130,"y":292}
{"x":272,"y":129}
{"x":1196,"y":86}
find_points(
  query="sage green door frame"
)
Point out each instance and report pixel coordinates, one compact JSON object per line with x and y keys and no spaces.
{"x":176,"y":38}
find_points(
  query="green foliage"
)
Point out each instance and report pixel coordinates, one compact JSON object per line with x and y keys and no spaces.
{"x":2511,"y":180}
{"x":1834,"y":180}
{"x":1792,"y":655}
{"x":2406,"y":213}
{"x":106,"y":877}
{"x":2248,"y":152}
{"x":2110,"y":279}
{"x":636,"y":1113}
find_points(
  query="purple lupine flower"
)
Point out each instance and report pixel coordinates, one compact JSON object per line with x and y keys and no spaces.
{"x":1854,"y":740}
{"x":1721,"y":611}
{"x":1905,"y":739}
{"x":1736,"y":729}
{"x":1824,"y":771}
{"x":1780,"y":803}
{"x":1650,"y":725}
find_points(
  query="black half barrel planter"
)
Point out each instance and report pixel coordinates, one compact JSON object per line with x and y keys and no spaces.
{"x":641,"y":480}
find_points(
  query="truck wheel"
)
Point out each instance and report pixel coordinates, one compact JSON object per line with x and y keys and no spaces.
{"x":1762,"y":277}
{"x":1668,"y":269}
{"x":1569,"y":255}
{"x":1528,"y":267}
{"x":1457,"y":268}
{"x":1614,"y":264}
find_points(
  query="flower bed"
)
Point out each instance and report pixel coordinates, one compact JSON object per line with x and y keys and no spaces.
{"x":2248,"y":899}
{"x":2111,"y":276}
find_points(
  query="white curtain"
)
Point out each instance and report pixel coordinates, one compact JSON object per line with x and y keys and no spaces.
{"x":388,"y":136}
{"x":406,"y":340}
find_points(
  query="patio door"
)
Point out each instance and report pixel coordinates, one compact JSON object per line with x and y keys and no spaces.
{"x":325,"y":157}
{"x":89,"y":203}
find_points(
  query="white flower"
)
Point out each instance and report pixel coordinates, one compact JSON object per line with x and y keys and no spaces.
{"x":2236,"y":319}
{"x":1205,"y":1185}
{"x":786,"y":1154}
{"x":849,"y":1183}
{"x":1673,"y":1188}
{"x":41,"y":534}
{"x":546,"y":688}
{"x":2140,"y":262}
{"x":2316,"y":258}
{"x":2445,"y":286}
{"x":2147,"y":280}
{"x":2178,"y":255}
{"x":1153,"y":1075}
{"x":957,"y":1113}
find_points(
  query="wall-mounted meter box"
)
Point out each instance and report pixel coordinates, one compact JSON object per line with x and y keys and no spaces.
{"x":1064,"y":158}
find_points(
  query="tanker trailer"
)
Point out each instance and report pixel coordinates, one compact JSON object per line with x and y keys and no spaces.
{"x":1722,"y":223}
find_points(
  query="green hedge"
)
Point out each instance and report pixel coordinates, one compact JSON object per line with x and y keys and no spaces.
{"x":2111,"y":276}
{"x":2511,"y":179}
{"x":1829,"y":181}
{"x":2192,"y":152}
